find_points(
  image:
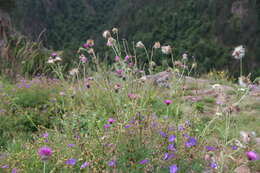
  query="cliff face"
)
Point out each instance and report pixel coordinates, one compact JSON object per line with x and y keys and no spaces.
{"x":209,"y":29}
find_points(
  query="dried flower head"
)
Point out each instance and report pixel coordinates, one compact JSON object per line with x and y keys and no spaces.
{"x":239,"y":52}
{"x":106,"y":34}
{"x":50,"y":61}
{"x":115,"y":30}
{"x":184,"y":56}
{"x":111,"y":41}
{"x":166,"y":50}
{"x":139,"y":44}
{"x":57,"y":59}
{"x":74,"y":71}
{"x":157,"y":45}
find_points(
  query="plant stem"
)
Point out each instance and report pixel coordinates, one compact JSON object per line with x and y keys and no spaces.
{"x":241,"y":67}
{"x":44,"y":166}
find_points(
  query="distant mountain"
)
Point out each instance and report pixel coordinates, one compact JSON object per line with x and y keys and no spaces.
{"x":206,"y":29}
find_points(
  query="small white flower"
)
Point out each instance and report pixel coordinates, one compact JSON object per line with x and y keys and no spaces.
{"x":106,"y":34}
{"x":239,"y":52}
{"x":166,"y":49}
{"x":74,"y":71}
{"x":139,"y":44}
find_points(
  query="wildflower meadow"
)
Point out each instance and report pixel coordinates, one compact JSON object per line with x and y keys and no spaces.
{"x":130,"y":116}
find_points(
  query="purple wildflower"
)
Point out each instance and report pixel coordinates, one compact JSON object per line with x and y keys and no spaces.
{"x":45,"y":135}
{"x":167,"y":102}
{"x":213,"y":165}
{"x":71,"y":161}
{"x":251,"y":155}
{"x":119,"y":72}
{"x":191,"y":142}
{"x":111,"y":120}
{"x":187,"y":122}
{"x":111,"y":163}
{"x":44,"y":153}
{"x":171,"y":156}
{"x":234,"y":147}
{"x":186,"y":136}
{"x":127,"y":126}
{"x":106,"y":126}
{"x":142,"y":162}
{"x":180,"y":127}
{"x":209,"y":148}
{"x":171,"y":138}
{"x":85,"y":164}
{"x":165,"y":156}
{"x":70,"y":145}
{"x":162,"y":134}
{"x":5,"y":166}
{"x":171,"y":147}
{"x":173,"y":168}
{"x":14,"y":170}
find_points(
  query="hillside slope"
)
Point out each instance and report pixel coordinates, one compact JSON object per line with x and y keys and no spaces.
{"x":207,"y":29}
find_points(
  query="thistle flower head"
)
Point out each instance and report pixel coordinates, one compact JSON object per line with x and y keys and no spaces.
{"x":74,"y":71}
{"x":115,"y":30}
{"x":44,"y":153}
{"x":157,"y":45}
{"x":117,"y":58}
{"x":167,"y":102}
{"x":111,"y":41}
{"x":184,"y":56}
{"x":90,"y":43}
{"x":50,"y":61}
{"x":166,"y":50}
{"x":140,"y":44}
{"x":251,"y":155}
{"x":53,"y":54}
{"x":106,"y":34}
{"x":111,"y":120}
{"x":239,"y":52}
{"x":127,"y":58}
{"x":57,"y":59}
{"x":83,"y":59}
